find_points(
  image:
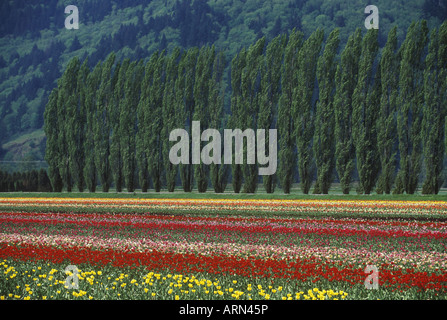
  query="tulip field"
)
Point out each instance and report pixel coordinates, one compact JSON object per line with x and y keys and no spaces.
{"x":193,"y":249}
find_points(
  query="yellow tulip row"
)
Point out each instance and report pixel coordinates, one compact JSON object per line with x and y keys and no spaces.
{"x":98,"y":284}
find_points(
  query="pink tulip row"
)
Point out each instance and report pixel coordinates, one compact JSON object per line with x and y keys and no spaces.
{"x":416,"y":259}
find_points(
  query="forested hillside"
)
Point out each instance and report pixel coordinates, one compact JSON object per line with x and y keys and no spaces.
{"x":36,"y":48}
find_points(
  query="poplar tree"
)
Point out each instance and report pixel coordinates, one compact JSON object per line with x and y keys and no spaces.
{"x":143,"y":118}
{"x":410,"y":101}
{"x":235,"y":121}
{"x":303,"y":107}
{"x":76,"y":121}
{"x":201,"y":93}
{"x":434,"y":111}
{"x":270,"y":86}
{"x":52,"y":149}
{"x":218,"y":172}
{"x":386,"y":122}
{"x":324,"y":142}
{"x":364,"y":114}
{"x":115,"y":156}
{"x":102,"y":125}
{"x":289,"y":81}
{"x":128,"y":122}
{"x":154,"y":122}
{"x":442,"y":74}
{"x":93,"y":81}
{"x":169,"y":116}
{"x":250,"y":94}
{"x":67,"y":106}
{"x":185,"y":104}
{"x":345,"y":82}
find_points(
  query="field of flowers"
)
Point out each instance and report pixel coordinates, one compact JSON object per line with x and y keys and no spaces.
{"x":221,"y":249}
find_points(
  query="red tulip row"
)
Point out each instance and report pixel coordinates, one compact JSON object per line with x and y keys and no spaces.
{"x":302,"y":270}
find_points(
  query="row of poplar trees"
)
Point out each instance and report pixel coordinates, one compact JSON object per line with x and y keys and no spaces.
{"x":112,"y":124}
{"x":377,"y":114}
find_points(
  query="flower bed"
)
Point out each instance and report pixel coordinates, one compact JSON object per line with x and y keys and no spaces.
{"x":278,"y":248}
